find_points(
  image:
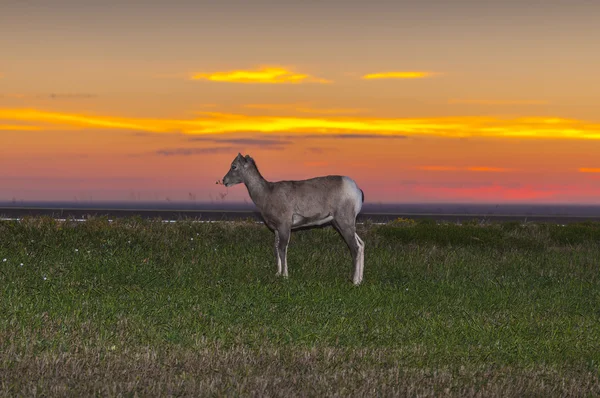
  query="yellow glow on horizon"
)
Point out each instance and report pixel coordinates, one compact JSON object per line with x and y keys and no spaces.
{"x":264,"y":75}
{"x":398,"y":75}
{"x":222,"y":123}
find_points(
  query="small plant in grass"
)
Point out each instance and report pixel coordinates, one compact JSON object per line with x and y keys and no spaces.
{"x":403,"y":221}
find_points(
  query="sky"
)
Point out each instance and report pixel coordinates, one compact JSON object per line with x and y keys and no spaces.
{"x":418,"y":101}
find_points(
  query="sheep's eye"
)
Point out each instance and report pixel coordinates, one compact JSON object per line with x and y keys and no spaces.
{"x":233,"y":167}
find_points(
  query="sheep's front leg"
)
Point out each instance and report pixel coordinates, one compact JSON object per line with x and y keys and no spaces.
{"x":283,"y":238}
{"x":277,"y":256}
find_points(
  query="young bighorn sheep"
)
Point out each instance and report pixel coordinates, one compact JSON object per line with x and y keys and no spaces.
{"x":287,"y":205}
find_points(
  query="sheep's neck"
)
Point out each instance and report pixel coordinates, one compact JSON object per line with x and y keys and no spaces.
{"x":258,"y":187}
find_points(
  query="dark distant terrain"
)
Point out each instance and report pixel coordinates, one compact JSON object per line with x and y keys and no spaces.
{"x":375,"y":212}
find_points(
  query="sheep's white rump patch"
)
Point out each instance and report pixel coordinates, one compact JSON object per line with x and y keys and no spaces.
{"x":353,"y":193}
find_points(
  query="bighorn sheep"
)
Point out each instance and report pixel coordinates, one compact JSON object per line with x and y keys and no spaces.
{"x":287,"y":205}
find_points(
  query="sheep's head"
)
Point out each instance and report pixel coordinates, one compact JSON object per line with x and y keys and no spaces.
{"x":236,"y":173}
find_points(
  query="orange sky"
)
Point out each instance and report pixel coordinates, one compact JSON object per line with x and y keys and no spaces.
{"x":418,"y":101}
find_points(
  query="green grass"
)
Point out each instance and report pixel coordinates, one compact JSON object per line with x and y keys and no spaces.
{"x":188,"y":308}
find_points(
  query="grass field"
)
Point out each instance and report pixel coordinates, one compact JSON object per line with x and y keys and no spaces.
{"x":194,"y":309}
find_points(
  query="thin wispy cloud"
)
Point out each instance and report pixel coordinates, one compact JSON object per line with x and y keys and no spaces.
{"x":465,"y":184}
{"x":209,"y":150}
{"x":226,"y":123}
{"x":453,"y":184}
{"x":437,"y":168}
{"x":62,"y":120}
{"x":316,"y":164}
{"x":497,"y":102}
{"x":365,"y":136}
{"x":54,"y":96}
{"x":589,"y":170}
{"x":70,"y":95}
{"x":193,"y":151}
{"x":482,"y":169}
{"x":274,"y":107}
{"x":314,"y":149}
{"x":17,"y":127}
{"x":304,"y":108}
{"x":14,"y":96}
{"x":40,"y":179}
{"x":261,"y":75}
{"x":259,"y":142}
{"x":170,"y":75}
{"x":346,"y":136}
{"x":288,"y":137}
{"x":331,"y":111}
{"x":399,"y":75}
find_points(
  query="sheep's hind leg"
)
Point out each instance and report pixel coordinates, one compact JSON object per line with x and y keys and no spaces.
{"x":361,"y":258}
{"x":348,"y":232}
{"x":283,"y":235}
{"x":277,"y":253}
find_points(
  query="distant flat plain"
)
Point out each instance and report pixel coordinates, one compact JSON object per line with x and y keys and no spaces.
{"x":373,"y":212}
